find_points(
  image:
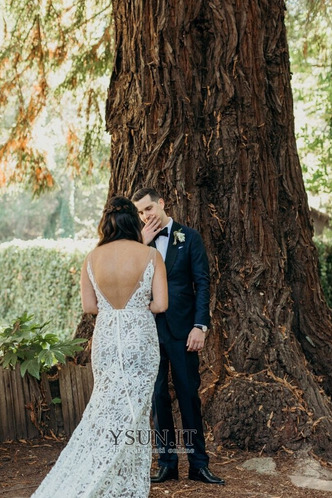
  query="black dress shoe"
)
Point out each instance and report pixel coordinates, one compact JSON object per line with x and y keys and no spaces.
{"x":204,"y":475}
{"x":165,"y":474}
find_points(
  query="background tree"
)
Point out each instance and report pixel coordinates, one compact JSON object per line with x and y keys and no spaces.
{"x":55,"y":62}
{"x":53,"y":68}
{"x":310,"y":33}
{"x":200,"y":106}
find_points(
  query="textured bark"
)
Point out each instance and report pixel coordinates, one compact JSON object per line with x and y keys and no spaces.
{"x":85,"y":330}
{"x":200,"y":106}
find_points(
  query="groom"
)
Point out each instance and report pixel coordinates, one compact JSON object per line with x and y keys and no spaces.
{"x":181,"y":330}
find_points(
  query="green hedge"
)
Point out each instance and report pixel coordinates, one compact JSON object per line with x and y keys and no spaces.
{"x":325,"y":268}
{"x":42,"y":277}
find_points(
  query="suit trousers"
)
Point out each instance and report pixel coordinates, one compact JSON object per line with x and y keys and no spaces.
{"x":186,"y":379}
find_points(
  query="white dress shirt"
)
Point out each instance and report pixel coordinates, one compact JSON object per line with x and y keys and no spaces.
{"x":162,"y":241}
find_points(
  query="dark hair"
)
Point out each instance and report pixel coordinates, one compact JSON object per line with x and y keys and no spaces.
{"x":142,"y":192}
{"x":120,"y":220}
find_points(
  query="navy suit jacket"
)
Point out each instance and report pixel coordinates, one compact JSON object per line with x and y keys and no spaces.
{"x":188,"y":285}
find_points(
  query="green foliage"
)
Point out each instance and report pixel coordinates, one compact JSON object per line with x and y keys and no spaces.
{"x":325,"y":268}
{"x":29,"y":344}
{"x":309,"y":25}
{"x":56,"y":401}
{"x":55,"y":64}
{"x":43,"y":277}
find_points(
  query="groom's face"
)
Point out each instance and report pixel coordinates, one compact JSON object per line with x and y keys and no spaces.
{"x":149,"y":209}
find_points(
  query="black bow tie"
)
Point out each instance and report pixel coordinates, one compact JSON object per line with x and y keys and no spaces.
{"x":164,"y":232}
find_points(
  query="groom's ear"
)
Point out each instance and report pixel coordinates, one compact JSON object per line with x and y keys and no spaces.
{"x":161,"y":203}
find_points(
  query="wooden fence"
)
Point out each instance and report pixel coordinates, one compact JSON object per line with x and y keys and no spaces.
{"x":26,"y":407}
{"x":76,"y":383}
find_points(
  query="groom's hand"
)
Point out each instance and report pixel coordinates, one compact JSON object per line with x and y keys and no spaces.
{"x":150,"y":229}
{"x":196,"y":339}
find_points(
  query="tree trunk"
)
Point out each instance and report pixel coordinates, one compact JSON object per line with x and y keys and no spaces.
{"x":200,"y":107}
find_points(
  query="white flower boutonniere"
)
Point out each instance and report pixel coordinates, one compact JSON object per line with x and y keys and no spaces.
{"x":178,"y":236}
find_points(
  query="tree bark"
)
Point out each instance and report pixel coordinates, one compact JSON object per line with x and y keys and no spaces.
{"x":200,"y":107}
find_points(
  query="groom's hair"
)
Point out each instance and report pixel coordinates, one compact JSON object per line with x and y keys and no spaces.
{"x":142,"y":192}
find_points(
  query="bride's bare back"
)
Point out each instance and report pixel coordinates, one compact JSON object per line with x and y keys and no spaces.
{"x":118,"y":268}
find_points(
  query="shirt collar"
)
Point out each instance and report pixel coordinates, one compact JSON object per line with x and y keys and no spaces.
{"x":169,"y":226}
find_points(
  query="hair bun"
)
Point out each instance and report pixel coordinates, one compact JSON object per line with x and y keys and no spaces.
{"x":118,"y":205}
{"x":117,"y":209}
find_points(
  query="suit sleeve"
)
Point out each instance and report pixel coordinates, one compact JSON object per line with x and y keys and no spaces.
{"x":201,"y":279}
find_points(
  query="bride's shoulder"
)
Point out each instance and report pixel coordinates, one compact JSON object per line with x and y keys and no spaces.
{"x":138,"y":246}
{"x":88,"y":256}
{"x":147,"y":252}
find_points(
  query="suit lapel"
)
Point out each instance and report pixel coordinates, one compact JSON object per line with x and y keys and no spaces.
{"x":172,"y":250}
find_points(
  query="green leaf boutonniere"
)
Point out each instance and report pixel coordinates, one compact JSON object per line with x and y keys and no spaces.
{"x":178,"y":236}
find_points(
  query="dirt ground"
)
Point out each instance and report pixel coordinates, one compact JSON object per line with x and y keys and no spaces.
{"x":23,"y":464}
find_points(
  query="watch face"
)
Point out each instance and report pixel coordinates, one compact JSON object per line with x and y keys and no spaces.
{"x":204,"y":328}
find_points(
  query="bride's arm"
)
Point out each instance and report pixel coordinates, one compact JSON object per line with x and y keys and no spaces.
{"x":159,"y":304}
{"x":88,"y":296}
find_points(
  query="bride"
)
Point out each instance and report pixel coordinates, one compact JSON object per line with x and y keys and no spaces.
{"x":109,"y":453}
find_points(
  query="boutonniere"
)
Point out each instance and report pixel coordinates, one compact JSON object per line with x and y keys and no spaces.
{"x":178,"y":236}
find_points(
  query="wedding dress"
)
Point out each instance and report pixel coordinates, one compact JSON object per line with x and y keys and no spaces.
{"x":109,"y":453}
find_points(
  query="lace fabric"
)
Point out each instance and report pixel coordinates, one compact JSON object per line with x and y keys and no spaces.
{"x":109,"y":453}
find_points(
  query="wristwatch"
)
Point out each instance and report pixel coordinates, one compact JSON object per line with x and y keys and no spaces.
{"x":202,"y":327}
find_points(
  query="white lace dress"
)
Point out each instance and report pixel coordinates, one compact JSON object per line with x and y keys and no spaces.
{"x":109,"y":453}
